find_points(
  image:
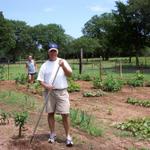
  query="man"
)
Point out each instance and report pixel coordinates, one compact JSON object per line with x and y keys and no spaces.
{"x":58,"y":101}
{"x":31,"y":69}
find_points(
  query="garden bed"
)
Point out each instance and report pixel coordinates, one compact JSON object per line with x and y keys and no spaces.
{"x":107,"y":110}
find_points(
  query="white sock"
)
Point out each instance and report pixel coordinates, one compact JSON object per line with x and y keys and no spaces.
{"x":69,"y":137}
{"x":52,"y":134}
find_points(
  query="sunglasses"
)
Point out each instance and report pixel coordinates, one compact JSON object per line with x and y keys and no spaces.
{"x":53,"y":51}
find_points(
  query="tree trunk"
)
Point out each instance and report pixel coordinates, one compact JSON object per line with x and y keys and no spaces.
{"x":130,"y":58}
{"x":137,"y":59}
{"x":19,"y":131}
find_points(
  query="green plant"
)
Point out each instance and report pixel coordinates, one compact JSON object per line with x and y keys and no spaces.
{"x":4,"y":117}
{"x":85,"y":122}
{"x":73,"y":87}
{"x":13,"y":98}
{"x":138,"y":127}
{"x":110,"y":111}
{"x":97,"y":83}
{"x":35,"y":87}
{"x":111,"y":84}
{"x":20,"y":119}
{"x":138,"y":80}
{"x":2,"y":71}
{"x":93,"y":93}
{"x":21,"y":78}
{"x":86,"y":77}
{"x":134,"y":101}
{"x":76,"y":77}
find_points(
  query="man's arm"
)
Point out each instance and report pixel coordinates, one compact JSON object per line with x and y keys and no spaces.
{"x":67,"y":71}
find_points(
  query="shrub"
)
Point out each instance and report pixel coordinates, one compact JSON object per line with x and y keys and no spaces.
{"x":110,"y":84}
{"x":86,"y":77}
{"x":137,"y":81}
{"x":2,"y":71}
{"x":20,"y":119}
{"x":97,"y":83}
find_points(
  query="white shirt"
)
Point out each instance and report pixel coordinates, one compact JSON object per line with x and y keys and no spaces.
{"x":47,"y":74}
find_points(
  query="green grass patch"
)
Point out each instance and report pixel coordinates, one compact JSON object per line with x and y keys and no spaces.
{"x":21,"y":100}
{"x":85,"y":122}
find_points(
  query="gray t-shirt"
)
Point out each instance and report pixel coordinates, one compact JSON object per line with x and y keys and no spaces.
{"x":31,"y":66}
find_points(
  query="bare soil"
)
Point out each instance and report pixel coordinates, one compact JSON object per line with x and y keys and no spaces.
{"x":98,"y":107}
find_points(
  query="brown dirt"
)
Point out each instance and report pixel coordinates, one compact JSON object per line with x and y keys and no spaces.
{"x":95,"y":106}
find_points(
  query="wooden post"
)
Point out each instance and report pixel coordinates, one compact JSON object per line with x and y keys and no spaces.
{"x":8,"y":68}
{"x":100,"y":68}
{"x":120,"y":68}
{"x":80,"y":61}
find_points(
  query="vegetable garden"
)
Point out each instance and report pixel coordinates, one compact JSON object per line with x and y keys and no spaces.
{"x":108,"y":113}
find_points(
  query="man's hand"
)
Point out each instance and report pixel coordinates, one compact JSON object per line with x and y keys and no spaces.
{"x":49,"y":87}
{"x":61,"y":62}
{"x":46,"y":86}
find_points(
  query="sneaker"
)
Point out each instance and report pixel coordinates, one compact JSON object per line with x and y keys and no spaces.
{"x":69,"y":142}
{"x":52,"y":139}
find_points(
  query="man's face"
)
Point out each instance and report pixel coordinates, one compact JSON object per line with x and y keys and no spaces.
{"x":52,"y":54}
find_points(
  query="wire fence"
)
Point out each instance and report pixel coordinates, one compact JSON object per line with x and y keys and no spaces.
{"x":120,"y":67}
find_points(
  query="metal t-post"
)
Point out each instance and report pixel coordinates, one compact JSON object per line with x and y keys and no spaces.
{"x":46,"y":100}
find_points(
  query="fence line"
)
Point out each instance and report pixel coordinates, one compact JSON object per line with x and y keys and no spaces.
{"x":8,"y":71}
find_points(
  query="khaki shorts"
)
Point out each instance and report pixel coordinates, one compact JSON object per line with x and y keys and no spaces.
{"x":58,"y":102}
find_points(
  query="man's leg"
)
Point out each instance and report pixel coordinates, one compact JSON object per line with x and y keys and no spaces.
{"x":51,"y":122}
{"x":66,"y":123}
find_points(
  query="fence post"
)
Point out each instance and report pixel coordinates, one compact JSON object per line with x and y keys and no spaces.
{"x":80,"y":61}
{"x":120,"y":67}
{"x":100,"y":68}
{"x":8,"y":68}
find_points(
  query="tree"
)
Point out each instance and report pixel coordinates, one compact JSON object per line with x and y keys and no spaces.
{"x":88,"y":45}
{"x":131,"y":30}
{"x":140,"y":19}
{"x":99,"y":27}
{"x":7,"y":40}
{"x":24,"y":43}
{"x":44,"y":34}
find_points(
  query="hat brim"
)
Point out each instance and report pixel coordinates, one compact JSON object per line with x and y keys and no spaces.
{"x":55,"y":49}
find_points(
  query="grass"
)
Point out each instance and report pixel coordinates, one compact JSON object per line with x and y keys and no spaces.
{"x":20,"y":100}
{"x":85,"y":122}
{"x":91,"y":68}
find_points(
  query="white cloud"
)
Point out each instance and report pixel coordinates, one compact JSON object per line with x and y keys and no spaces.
{"x":48,"y":10}
{"x":98,"y":8}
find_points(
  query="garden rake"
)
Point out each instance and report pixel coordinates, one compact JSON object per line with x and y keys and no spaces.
{"x":46,"y":100}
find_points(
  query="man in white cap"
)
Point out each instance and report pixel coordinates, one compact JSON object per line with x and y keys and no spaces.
{"x":58,"y":101}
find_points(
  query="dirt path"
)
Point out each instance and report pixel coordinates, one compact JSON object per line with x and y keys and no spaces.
{"x":99,"y":107}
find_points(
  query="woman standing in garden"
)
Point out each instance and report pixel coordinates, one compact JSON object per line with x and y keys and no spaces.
{"x":31,"y":69}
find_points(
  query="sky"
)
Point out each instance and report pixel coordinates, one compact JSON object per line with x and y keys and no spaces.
{"x":70,"y":14}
